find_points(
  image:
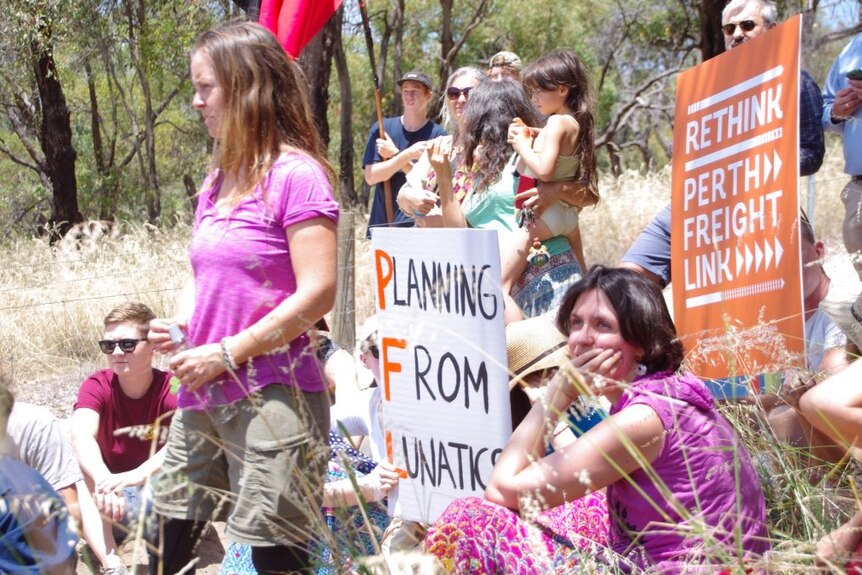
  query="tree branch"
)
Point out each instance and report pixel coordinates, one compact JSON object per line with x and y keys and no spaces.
{"x":629,"y":107}
{"x":15,"y":159}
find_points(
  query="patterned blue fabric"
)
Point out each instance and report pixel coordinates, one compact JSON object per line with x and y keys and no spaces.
{"x":346,"y":526}
{"x":28,"y":505}
{"x":541,"y":289}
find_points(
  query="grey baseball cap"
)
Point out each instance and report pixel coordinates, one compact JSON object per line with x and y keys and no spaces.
{"x":416,"y":76}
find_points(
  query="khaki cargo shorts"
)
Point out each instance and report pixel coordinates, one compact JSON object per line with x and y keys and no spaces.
{"x":262,"y":470}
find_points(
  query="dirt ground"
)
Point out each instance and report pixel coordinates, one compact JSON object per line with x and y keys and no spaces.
{"x":210,"y":554}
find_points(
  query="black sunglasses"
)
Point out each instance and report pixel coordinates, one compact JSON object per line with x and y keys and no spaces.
{"x":745,"y":26}
{"x":374,"y":350}
{"x":455,"y":93}
{"x":126,"y":345}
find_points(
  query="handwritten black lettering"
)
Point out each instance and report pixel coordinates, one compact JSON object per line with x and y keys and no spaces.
{"x":428,"y":461}
{"x":422,"y":370}
{"x":449,"y":288}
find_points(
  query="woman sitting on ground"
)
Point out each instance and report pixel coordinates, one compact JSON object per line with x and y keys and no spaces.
{"x":680,"y":489}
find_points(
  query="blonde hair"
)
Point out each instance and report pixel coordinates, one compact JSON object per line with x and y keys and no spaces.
{"x":135,"y":313}
{"x":265,"y":103}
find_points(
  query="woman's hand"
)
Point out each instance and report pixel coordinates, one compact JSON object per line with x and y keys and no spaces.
{"x":440,"y":156}
{"x":548,"y":193}
{"x":159,"y":335}
{"x":587,"y":373}
{"x":198,"y":365}
{"x":415,"y":202}
{"x":596,"y":365}
{"x":377,"y":484}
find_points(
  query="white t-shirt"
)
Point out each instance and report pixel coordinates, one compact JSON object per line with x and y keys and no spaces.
{"x":821,"y":334}
{"x":35,"y":437}
{"x":837,"y":305}
{"x":359,"y":414}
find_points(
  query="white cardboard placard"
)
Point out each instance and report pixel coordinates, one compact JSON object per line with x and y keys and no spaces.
{"x":443,"y":363}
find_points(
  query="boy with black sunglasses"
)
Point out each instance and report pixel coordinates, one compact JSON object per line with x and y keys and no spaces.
{"x":131,"y":393}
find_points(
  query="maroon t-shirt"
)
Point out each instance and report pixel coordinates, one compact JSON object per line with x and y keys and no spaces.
{"x":101,"y":392}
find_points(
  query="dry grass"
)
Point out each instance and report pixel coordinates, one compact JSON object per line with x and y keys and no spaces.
{"x":53,"y":301}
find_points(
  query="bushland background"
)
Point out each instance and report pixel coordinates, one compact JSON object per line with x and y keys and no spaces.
{"x":96,"y":124}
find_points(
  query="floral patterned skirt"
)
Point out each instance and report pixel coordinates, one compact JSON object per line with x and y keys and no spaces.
{"x":475,"y":536}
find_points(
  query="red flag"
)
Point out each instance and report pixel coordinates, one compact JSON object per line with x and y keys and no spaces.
{"x":295,"y":22}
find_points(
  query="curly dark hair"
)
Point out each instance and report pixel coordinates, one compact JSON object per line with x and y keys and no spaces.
{"x":490,"y":110}
{"x":644,"y":319}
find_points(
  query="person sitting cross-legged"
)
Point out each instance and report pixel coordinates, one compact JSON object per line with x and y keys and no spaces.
{"x":682,"y":492}
{"x":130,"y":395}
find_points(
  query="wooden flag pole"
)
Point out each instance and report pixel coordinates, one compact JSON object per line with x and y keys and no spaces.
{"x":369,"y":43}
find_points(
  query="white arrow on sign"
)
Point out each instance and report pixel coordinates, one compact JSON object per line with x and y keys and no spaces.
{"x":735,"y":293}
{"x":778,"y":251}
{"x":776,"y":161}
{"x":767,"y":250}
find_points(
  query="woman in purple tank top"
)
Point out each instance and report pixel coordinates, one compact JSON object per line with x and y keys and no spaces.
{"x":681,"y":491}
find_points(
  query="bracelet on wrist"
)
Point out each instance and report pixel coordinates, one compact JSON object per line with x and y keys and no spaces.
{"x":227,"y":356}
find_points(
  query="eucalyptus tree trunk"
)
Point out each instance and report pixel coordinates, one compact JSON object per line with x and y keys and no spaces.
{"x":316,"y":63}
{"x":55,"y":137}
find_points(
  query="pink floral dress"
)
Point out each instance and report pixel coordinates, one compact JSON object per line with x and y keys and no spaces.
{"x":475,"y":536}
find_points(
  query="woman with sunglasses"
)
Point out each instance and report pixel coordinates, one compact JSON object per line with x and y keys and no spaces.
{"x":131,"y":393}
{"x":488,"y":199}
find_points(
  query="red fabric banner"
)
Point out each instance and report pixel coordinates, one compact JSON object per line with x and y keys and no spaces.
{"x":295,"y":22}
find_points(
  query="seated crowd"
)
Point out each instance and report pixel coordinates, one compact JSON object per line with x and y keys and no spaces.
{"x":620,"y":459}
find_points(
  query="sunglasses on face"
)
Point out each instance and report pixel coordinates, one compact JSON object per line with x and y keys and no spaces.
{"x":126,"y":345}
{"x":375,"y":351}
{"x":454,"y":93}
{"x":744,"y":25}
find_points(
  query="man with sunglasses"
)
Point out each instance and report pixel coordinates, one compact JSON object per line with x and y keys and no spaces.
{"x":130,"y":394}
{"x":742,"y":20}
{"x":392,"y":157}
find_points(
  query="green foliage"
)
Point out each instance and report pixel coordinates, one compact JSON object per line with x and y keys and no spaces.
{"x":135,"y":52}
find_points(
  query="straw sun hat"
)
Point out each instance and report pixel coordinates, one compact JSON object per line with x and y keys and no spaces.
{"x":534,"y":345}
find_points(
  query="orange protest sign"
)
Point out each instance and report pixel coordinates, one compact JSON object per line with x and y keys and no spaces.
{"x":735,"y":208}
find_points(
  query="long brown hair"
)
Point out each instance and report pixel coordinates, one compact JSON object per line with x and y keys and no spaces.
{"x":265,"y":103}
{"x":486,"y":119}
{"x":562,"y":67}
